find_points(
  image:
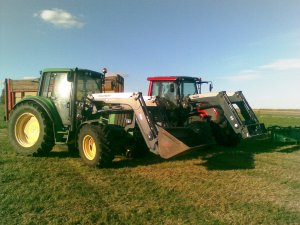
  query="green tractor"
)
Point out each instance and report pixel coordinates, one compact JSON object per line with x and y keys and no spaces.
{"x":55,"y":115}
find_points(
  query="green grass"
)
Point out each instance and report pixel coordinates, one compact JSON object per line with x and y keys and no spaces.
{"x":256,"y":183}
{"x":3,"y":124}
{"x":279,"y":117}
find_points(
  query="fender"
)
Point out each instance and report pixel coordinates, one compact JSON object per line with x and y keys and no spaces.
{"x":50,"y":109}
{"x":93,"y":122}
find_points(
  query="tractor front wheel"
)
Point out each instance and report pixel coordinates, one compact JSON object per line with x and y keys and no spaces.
{"x":94,"y":146}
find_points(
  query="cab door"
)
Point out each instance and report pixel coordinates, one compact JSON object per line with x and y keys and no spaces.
{"x":56,"y":87}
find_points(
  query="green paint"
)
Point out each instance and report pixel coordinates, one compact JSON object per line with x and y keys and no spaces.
{"x":112,"y":118}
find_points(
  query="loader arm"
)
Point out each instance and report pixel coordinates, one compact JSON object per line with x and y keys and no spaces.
{"x":134,"y":101}
{"x":236,"y":110}
{"x":166,"y":142}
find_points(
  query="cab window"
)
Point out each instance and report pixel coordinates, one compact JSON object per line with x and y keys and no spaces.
{"x":87,"y":85}
{"x":188,"y":88}
{"x":55,"y":85}
{"x":166,"y":89}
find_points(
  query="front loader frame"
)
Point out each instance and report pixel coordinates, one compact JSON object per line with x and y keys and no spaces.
{"x":161,"y":140}
{"x":236,"y":110}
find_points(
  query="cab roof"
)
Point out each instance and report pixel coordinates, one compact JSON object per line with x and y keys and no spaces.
{"x":172,"y":78}
{"x":66,"y":70}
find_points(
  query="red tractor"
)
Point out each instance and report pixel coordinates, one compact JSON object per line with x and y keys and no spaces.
{"x":178,"y":88}
{"x":229,"y":114}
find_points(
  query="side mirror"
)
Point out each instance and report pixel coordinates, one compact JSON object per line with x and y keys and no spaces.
{"x":172,"y":88}
{"x":210,"y":87}
{"x":70,"y":77}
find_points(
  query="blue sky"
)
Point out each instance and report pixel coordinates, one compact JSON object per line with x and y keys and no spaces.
{"x":253,"y":46}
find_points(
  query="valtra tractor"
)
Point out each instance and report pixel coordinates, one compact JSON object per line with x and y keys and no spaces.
{"x":229,"y":114}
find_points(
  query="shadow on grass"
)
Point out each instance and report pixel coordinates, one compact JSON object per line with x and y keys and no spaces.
{"x":218,"y":157}
{"x":60,"y":151}
{"x":213,"y":158}
{"x":290,"y":149}
{"x":230,"y":160}
{"x":62,"y":154}
{"x":242,"y":157}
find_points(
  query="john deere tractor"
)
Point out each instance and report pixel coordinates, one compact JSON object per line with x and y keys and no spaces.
{"x":55,"y":114}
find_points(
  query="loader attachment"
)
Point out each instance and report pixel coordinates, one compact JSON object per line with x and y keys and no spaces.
{"x":285,"y":135}
{"x":236,"y":110}
{"x":166,"y":142}
{"x":177,"y":140}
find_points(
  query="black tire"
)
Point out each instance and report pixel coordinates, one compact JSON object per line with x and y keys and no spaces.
{"x":94,"y":146}
{"x":30,"y":130}
{"x":225,"y":135}
{"x":203,"y":129}
{"x":139,"y":149}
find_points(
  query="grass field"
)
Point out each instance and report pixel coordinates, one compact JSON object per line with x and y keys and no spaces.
{"x":256,"y":183}
{"x":279,"y":117}
{"x":2,"y":113}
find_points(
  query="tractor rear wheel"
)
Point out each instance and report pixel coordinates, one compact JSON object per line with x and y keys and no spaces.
{"x":94,"y":146}
{"x":30,"y":130}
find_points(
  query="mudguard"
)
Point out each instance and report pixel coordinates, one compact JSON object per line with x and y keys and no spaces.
{"x":51,"y":111}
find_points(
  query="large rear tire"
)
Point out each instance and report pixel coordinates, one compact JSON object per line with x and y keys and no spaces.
{"x":94,"y":146}
{"x":30,"y":130}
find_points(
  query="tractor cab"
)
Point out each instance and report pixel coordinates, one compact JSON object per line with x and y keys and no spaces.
{"x":68,"y":89}
{"x":175,"y":88}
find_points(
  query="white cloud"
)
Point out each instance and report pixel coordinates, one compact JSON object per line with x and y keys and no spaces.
{"x":283,"y":64}
{"x":245,"y":75}
{"x":59,"y":18}
{"x":259,"y":72}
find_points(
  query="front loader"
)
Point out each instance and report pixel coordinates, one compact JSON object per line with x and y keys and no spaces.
{"x":145,"y":116}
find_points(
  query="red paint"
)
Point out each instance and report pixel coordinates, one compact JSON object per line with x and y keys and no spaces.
{"x":166,"y":78}
{"x":163,"y":78}
{"x":10,"y":97}
{"x":7,"y":98}
{"x":217,"y":114}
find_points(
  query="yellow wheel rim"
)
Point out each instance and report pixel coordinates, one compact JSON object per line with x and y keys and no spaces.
{"x":27,"y":130}
{"x":89,"y":147}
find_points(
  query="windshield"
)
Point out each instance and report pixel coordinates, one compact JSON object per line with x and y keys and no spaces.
{"x":88,"y":83}
{"x":165,"y":89}
{"x":189,"y":88}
